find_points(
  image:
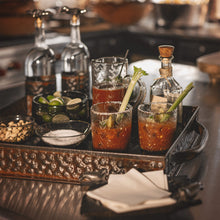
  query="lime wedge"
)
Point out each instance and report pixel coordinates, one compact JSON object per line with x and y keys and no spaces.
{"x":72,"y":104}
{"x":82,"y":113}
{"x":42,"y":100}
{"x":60,"y":118}
{"x":66,"y":99}
{"x":50,"y":97}
{"x":56,"y":101}
{"x":46,"y":118}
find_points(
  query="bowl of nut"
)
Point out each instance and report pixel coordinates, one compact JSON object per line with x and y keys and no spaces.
{"x":17,"y":128}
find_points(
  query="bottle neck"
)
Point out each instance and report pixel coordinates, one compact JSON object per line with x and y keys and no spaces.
{"x":166,"y":67}
{"x":40,"y":38}
{"x":75,"y":29}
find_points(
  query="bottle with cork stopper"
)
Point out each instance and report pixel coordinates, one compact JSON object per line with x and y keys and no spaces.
{"x":40,"y":62}
{"x":166,"y":88}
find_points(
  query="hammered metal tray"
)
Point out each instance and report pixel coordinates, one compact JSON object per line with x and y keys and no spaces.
{"x":35,"y":160}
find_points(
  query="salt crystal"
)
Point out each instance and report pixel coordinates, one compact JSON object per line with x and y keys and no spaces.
{"x":63,"y":137}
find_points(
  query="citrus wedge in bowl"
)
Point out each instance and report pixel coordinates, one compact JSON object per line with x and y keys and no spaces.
{"x":60,"y":107}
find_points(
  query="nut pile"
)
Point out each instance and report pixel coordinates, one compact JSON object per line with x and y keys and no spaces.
{"x":15,"y":131}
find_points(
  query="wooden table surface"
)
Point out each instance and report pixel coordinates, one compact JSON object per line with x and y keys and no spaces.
{"x":26,"y":199}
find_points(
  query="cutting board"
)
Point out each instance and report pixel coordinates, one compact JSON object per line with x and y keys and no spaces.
{"x":210,"y":64}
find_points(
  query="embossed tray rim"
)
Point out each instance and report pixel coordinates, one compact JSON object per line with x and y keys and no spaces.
{"x":133,"y":160}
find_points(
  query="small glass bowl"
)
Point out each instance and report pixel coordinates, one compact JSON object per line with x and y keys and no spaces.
{"x":70,"y":133}
{"x":16,"y":128}
{"x":60,"y":113}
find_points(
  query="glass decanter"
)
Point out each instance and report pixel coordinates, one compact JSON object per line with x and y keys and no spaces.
{"x":75,"y":57}
{"x":166,"y":88}
{"x":39,"y":63}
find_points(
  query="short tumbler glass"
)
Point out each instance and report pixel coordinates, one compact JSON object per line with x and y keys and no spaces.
{"x":111,"y":130}
{"x":156,"y":127}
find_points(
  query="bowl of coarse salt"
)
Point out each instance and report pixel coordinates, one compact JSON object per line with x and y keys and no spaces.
{"x":70,"y":133}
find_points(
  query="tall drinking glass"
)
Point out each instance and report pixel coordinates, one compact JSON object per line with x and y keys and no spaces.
{"x":108,"y":79}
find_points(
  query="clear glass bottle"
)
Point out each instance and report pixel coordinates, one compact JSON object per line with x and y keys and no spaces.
{"x":39,"y":63}
{"x":75,"y":58}
{"x":166,"y":88}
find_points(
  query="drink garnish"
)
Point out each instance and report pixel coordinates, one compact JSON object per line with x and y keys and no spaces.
{"x":57,"y":94}
{"x":74,"y":101}
{"x":60,"y":118}
{"x":50,"y":97}
{"x":43,"y":100}
{"x":56,"y":101}
{"x":180,"y":98}
{"x":73,"y":104}
{"x":138,"y":73}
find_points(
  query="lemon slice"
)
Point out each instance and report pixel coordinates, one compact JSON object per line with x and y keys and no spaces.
{"x":42,"y":100}
{"x":60,"y":118}
{"x":56,"y":101}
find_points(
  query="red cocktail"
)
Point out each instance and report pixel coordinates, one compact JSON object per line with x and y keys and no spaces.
{"x":111,"y":130}
{"x":156,"y":134}
{"x":108,"y":92}
{"x":112,"y":139}
{"x":108,"y":79}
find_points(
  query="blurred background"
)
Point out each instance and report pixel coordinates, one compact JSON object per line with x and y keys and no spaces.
{"x":109,"y":27}
{"x":153,"y":19}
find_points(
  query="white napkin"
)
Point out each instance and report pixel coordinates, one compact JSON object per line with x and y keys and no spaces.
{"x":134,"y":191}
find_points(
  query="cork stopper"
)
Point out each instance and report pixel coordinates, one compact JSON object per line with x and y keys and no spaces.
{"x":166,"y":50}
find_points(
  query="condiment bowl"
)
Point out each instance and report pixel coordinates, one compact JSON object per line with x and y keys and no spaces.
{"x":16,"y":128}
{"x":60,"y":107}
{"x":70,"y":133}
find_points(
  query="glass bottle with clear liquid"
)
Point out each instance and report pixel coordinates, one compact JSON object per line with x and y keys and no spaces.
{"x":39,"y":63}
{"x":166,"y":88}
{"x":75,"y":58}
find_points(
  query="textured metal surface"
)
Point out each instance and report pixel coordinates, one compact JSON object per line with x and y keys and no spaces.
{"x":60,"y":164}
{"x":68,"y":165}
{"x":37,"y":200}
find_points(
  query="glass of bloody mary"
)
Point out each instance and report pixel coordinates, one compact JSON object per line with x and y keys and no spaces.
{"x":108,"y":79}
{"x":156,"y":127}
{"x":111,"y":130}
